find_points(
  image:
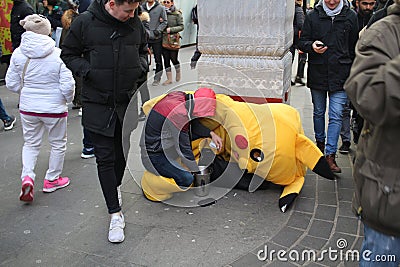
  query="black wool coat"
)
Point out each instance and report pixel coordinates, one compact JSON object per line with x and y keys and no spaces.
{"x":19,"y":11}
{"x":329,"y":71}
{"x":107,"y":54}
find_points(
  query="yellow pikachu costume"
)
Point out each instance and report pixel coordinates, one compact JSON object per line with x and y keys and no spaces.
{"x":264,"y":139}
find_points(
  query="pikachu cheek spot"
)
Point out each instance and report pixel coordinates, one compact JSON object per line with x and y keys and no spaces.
{"x":241,"y":141}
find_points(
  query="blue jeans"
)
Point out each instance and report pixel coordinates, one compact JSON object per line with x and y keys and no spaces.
{"x":337,"y":101}
{"x":345,"y":131}
{"x":3,"y":114}
{"x":171,"y":169}
{"x":379,"y":249}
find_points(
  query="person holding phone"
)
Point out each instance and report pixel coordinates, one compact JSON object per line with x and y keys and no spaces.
{"x":329,"y":36}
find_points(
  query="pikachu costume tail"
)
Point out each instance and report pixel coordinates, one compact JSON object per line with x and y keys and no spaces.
{"x":310,"y":155}
{"x":158,"y":188}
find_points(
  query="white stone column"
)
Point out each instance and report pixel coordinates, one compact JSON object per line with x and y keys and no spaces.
{"x":250,"y":38}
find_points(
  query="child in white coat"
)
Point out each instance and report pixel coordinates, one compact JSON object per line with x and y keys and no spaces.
{"x":45,"y":86}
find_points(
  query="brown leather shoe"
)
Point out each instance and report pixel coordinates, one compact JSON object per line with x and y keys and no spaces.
{"x":321,"y":146}
{"x":332,"y":163}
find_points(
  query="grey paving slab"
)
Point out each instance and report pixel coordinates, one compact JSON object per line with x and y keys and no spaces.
{"x":47,"y":255}
{"x":90,"y":240}
{"x":308,"y":190}
{"x":250,"y":260}
{"x":346,"y":182}
{"x":304,"y":204}
{"x":345,"y":209}
{"x":222,"y":251}
{"x":321,"y":228}
{"x":325,"y":185}
{"x":347,"y":170}
{"x":325,"y":212}
{"x":299,"y":220}
{"x":287,"y":236}
{"x":347,"y":225}
{"x":313,"y":264}
{"x":282,"y":264}
{"x":358,"y":243}
{"x":327,"y":198}
{"x":162,"y":247}
{"x":345,"y":194}
{"x":313,"y":242}
{"x":245,"y":226}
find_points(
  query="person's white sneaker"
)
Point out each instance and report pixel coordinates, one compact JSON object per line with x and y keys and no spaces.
{"x":119,"y":196}
{"x":116,"y":230}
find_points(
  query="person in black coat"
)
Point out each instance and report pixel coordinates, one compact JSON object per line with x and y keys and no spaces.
{"x":19,"y":11}
{"x":379,"y":14}
{"x":53,"y":13}
{"x":105,"y":46}
{"x":298,"y":22}
{"x":329,"y":36}
{"x":364,"y":10}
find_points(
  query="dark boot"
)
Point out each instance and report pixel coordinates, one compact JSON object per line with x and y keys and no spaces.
{"x":299,"y":81}
{"x":331,"y":159}
{"x":345,"y":148}
{"x":321,"y":146}
{"x":322,"y":168}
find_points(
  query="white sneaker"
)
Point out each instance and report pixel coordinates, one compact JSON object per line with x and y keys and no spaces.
{"x":116,"y":230}
{"x":80,"y":112}
{"x":119,"y":196}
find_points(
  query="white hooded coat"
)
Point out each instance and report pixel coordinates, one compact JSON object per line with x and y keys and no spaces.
{"x":48,"y":84}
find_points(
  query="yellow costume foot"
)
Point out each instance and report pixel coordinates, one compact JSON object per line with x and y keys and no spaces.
{"x":157,"y":188}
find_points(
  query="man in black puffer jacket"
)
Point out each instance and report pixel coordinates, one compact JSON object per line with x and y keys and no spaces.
{"x":19,"y":11}
{"x":106,"y":46}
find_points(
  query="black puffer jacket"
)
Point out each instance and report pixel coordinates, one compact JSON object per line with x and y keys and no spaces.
{"x":329,"y":71}
{"x":107,"y":54}
{"x":20,"y":10}
{"x":298,"y":22}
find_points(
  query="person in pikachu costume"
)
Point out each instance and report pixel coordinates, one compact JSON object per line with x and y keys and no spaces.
{"x":166,"y":140}
{"x":265,"y":140}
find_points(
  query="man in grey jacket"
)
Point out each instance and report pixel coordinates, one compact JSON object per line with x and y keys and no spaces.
{"x":158,"y":22}
{"x":373,"y":88}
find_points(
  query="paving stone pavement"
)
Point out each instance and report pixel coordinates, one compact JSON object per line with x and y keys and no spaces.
{"x":69,"y":227}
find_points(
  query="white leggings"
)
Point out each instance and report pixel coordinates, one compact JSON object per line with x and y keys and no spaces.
{"x":33,"y":129}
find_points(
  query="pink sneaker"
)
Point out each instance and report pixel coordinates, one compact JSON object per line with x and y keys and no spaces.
{"x":51,"y":186}
{"x":27,"y":189}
